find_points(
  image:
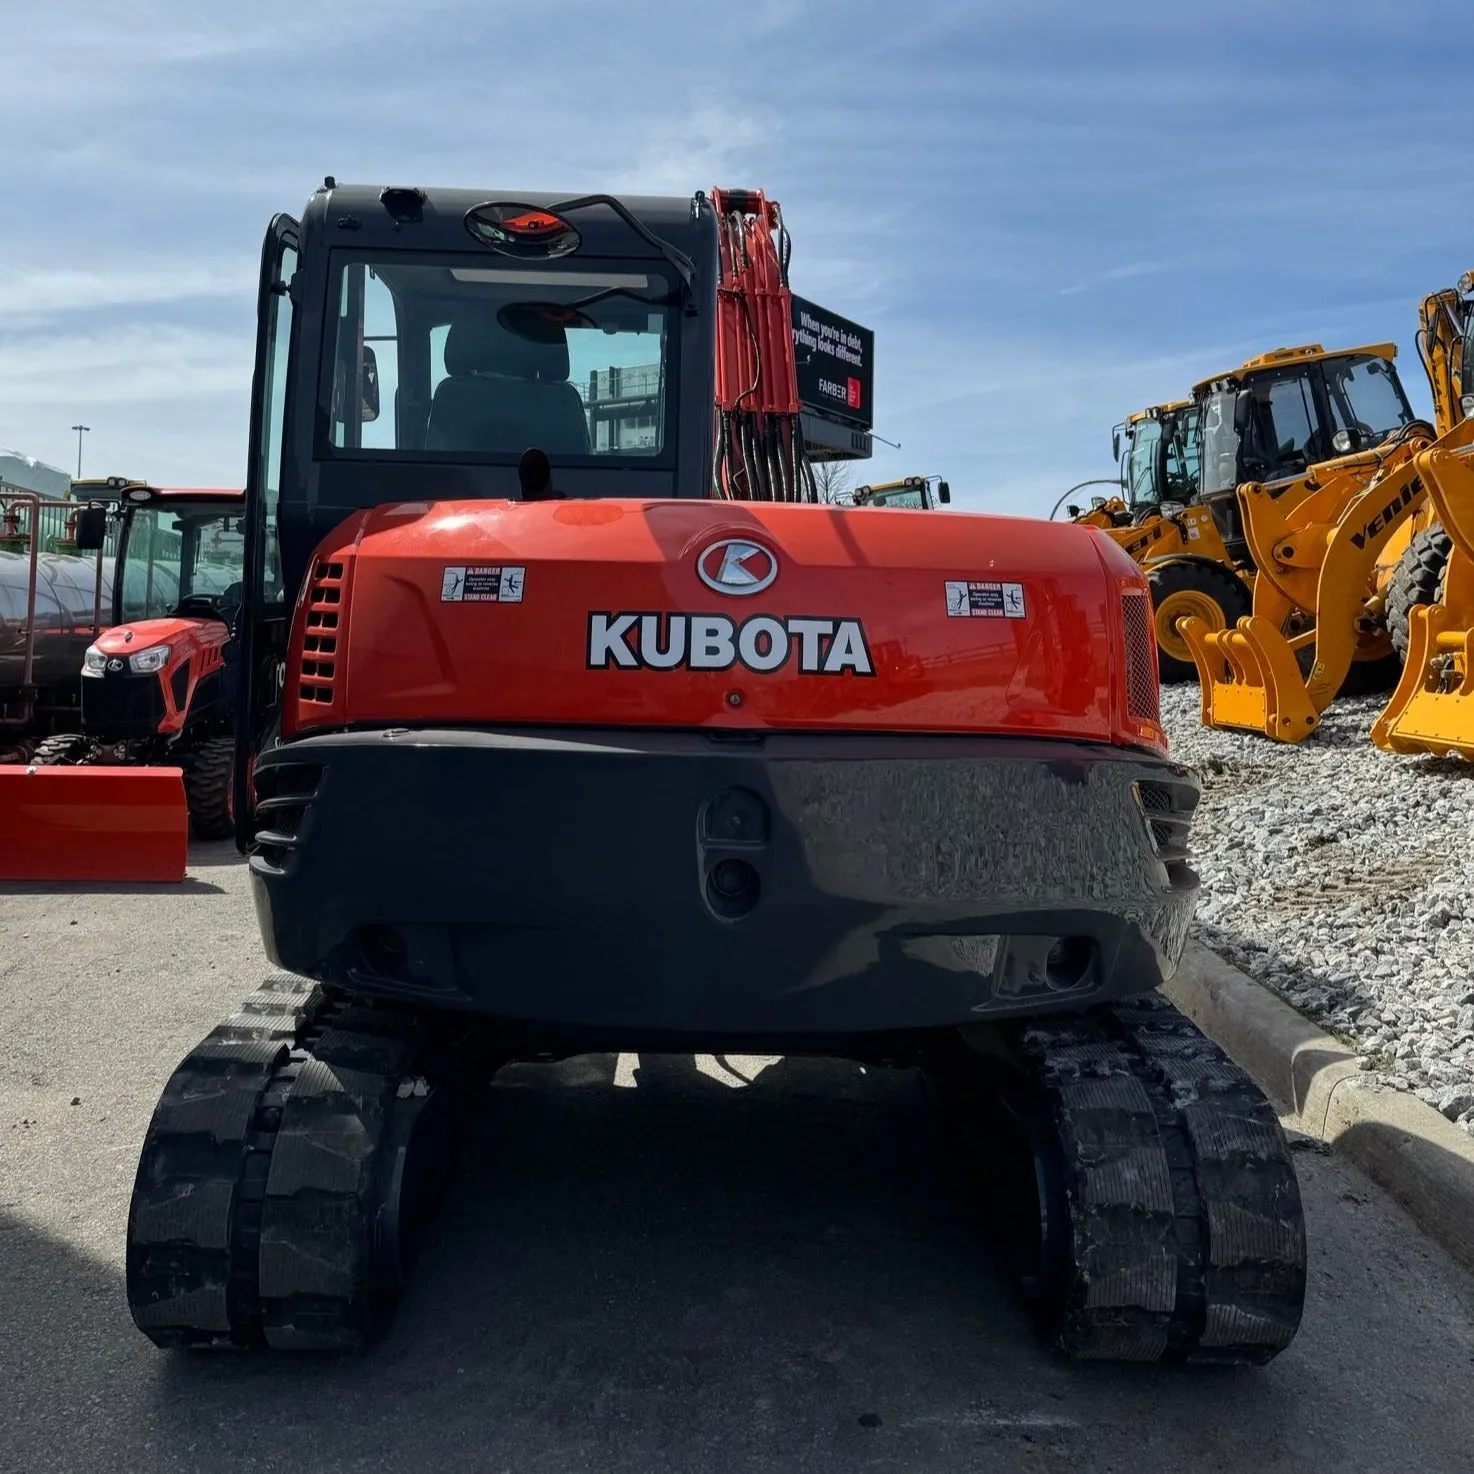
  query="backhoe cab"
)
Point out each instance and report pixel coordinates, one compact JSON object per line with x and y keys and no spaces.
{"x":1159,"y":450}
{"x":1277,"y":415}
{"x":919,"y":493}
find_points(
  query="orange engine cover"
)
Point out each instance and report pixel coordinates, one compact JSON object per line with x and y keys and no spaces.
{"x":196,"y":643}
{"x":714,"y":614}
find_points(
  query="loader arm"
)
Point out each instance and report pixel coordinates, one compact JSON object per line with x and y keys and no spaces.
{"x":1432,"y":709}
{"x":1442,"y":345}
{"x":1321,"y":560}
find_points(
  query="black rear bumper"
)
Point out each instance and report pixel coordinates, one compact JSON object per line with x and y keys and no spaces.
{"x":674,"y":884}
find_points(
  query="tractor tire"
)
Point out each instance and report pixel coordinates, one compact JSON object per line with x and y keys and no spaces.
{"x":1417,"y":579}
{"x":207,"y":781}
{"x":58,"y":751}
{"x":1216,"y":594}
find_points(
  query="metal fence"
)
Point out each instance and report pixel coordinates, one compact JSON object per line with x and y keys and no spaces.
{"x":52,"y":519}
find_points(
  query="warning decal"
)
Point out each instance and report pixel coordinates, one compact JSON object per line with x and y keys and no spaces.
{"x":495,"y":585}
{"x":972,"y":599}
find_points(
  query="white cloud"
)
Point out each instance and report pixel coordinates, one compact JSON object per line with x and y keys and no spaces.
{"x":32,"y":292}
{"x":131,"y":365}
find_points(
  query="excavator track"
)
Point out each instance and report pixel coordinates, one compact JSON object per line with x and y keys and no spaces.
{"x":1142,"y":1187}
{"x":287,"y":1169}
{"x":1139,"y":1184}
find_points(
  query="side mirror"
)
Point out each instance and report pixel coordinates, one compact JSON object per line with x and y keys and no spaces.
{"x":1243,"y":410}
{"x":91,"y":529}
{"x":1115,"y":445}
{"x":944,"y":493}
{"x":369,"y":389}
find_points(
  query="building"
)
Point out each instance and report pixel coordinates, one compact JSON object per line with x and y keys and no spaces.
{"x":624,"y":406}
{"x":25,"y":473}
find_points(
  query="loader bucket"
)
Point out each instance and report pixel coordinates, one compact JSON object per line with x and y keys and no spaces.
{"x":1432,"y":709}
{"x":92,"y":823}
{"x":1250,"y":679}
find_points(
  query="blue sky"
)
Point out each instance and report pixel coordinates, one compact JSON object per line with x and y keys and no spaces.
{"x":1050,"y":214}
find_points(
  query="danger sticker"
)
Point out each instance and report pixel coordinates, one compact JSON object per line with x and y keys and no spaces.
{"x":482,"y":585}
{"x":972,"y":599}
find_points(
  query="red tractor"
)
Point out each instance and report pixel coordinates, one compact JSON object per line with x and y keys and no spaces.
{"x":567,"y":729}
{"x":159,"y":686}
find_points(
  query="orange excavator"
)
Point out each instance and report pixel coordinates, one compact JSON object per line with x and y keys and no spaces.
{"x":555,"y":739}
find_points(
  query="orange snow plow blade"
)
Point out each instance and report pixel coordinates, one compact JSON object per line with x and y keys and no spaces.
{"x":92,"y":823}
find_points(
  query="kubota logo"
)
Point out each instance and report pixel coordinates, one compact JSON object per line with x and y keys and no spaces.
{"x":736,"y":566}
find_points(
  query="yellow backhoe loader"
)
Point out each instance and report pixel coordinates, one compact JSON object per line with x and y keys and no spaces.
{"x":1317,"y":540}
{"x":1185,"y":462}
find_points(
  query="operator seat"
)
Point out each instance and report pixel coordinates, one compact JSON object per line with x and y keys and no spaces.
{"x":504,"y":392}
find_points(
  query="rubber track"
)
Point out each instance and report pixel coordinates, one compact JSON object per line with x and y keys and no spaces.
{"x":1186,"y":1229}
{"x":260,"y":1191}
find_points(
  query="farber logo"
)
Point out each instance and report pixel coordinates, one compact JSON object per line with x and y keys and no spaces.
{"x":763,"y":643}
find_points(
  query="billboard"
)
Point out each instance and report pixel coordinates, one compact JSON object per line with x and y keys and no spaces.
{"x":836,"y":364}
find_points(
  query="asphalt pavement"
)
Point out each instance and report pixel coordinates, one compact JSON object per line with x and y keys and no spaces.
{"x":652,"y":1264}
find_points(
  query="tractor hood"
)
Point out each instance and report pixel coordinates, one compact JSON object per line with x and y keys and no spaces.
{"x":702,"y":614}
{"x":143,"y":634}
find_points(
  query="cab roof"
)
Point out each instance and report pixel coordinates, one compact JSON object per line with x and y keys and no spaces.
{"x":1155,"y":411}
{"x":127,"y":488}
{"x":430,"y":218}
{"x":1304,"y":353}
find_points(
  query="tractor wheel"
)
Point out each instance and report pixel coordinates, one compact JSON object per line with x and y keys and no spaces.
{"x":207,"y":781}
{"x":55,"y":752}
{"x":1215,"y":594}
{"x":1417,"y":579}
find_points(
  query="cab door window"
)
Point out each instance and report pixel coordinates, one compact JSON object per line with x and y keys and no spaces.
{"x":1287,"y":435}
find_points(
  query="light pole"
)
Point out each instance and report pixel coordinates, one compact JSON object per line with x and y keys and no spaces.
{"x":81,"y":430}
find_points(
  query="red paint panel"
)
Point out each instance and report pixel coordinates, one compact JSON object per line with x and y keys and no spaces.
{"x":431,"y":628}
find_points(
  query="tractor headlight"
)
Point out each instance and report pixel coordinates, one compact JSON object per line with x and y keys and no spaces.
{"x":94,"y":662}
{"x":146,"y":662}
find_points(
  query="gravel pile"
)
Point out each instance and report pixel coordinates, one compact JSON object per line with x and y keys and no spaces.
{"x":1340,"y":877}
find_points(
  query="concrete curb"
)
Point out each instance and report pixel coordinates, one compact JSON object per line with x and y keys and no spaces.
{"x":1400,"y":1142}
